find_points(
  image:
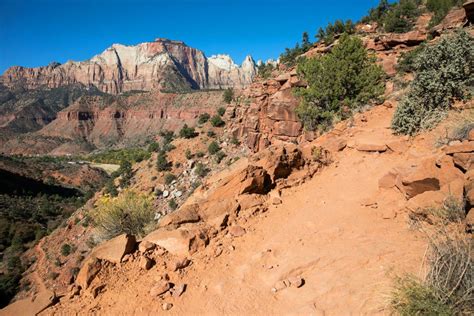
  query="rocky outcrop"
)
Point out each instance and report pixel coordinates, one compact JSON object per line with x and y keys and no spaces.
{"x":266,"y":113}
{"x":159,"y":65}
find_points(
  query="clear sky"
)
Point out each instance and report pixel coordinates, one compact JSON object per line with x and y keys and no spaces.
{"x":36,"y":32}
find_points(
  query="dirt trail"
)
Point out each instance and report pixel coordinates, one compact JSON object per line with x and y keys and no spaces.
{"x":327,"y":231}
{"x":347,"y":253}
{"x":41,"y":257}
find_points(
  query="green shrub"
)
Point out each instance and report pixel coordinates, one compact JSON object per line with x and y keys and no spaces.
{"x":440,"y":9}
{"x":264,"y":70}
{"x":126,"y":173}
{"x":290,"y":55}
{"x":221,"y":111}
{"x":219,"y":156}
{"x":66,"y":250}
{"x":213,"y":148}
{"x":211,"y":134}
{"x":153,"y":147}
{"x":167,"y":136}
{"x":162,"y":163}
{"x":203,"y":118}
{"x":130,"y":213}
{"x":402,"y":16}
{"x":201,"y":170}
{"x":406,"y":63}
{"x":188,"y":154}
{"x":343,"y":80}
{"x":110,"y":188}
{"x":235,"y":141}
{"x":228,"y":95}
{"x":187,"y":132}
{"x":378,"y":13}
{"x":217,"y":121}
{"x":200,"y":154}
{"x":169,"y":177}
{"x":443,"y":73}
{"x":329,"y":34}
{"x":172,"y":204}
{"x":397,"y":17}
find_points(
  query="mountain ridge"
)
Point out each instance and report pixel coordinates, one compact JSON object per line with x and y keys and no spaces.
{"x":159,"y":65}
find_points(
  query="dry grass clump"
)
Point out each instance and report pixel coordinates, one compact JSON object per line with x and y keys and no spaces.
{"x":448,"y":288}
{"x":130,"y":213}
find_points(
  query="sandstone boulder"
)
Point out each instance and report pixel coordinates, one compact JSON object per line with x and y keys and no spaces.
{"x":114,"y":249}
{"x":279,"y":160}
{"x":465,"y":147}
{"x":371,"y":147}
{"x":419,"y":178}
{"x":185,"y":214}
{"x":180,"y":241}
{"x":464,"y":160}
{"x":425,"y":200}
{"x":411,"y":38}
{"x":88,"y":271}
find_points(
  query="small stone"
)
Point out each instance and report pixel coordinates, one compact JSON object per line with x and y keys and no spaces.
{"x":296,"y":281}
{"x":276,"y":201}
{"x":166,"y":193}
{"x":280,"y":285}
{"x":180,"y":263}
{"x":159,"y":288}
{"x":179,"y":290}
{"x":126,"y":258}
{"x":178,"y":194}
{"x":166,"y":306}
{"x":145,"y":246}
{"x":236,"y":231}
{"x":218,"y":252}
{"x":145,"y":263}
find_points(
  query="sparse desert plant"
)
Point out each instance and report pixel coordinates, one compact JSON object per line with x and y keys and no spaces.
{"x":451,"y":211}
{"x":187,"y":132}
{"x":449,"y":285}
{"x":153,"y":147}
{"x":413,"y":297}
{"x":128,"y":213}
{"x":228,"y":95}
{"x":203,"y":118}
{"x":188,"y":154}
{"x":462,"y":129}
{"x":235,"y":141}
{"x":172,"y":204}
{"x":211,"y":133}
{"x":217,"y":121}
{"x":221,"y":111}
{"x":66,"y":250}
{"x":200,"y":154}
{"x":213,"y":148}
{"x":219,"y":156}
{"x":201,"y":170}
{"x":162,"y":163}
{"x":169,"y":177}
{"x":443,"y":74}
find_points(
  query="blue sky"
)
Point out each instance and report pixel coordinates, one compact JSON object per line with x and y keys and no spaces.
{"x":36,"y":32}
